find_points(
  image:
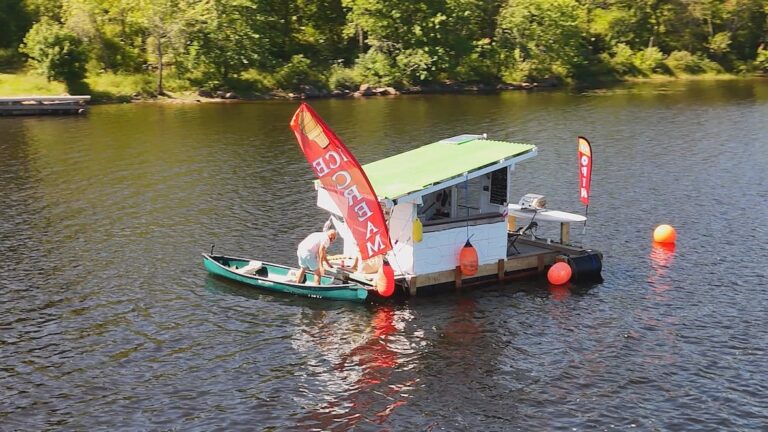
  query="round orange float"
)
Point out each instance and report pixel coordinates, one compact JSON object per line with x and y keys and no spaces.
{"x":559,"y":274}
{"x":664,"y":234}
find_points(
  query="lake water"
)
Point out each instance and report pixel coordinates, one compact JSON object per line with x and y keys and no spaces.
{"x":108,"y":320}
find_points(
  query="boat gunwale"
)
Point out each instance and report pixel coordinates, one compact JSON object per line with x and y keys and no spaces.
{"x":312,"y":287}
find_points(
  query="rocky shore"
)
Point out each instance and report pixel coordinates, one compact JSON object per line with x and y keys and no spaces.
{"x":367,"y":90}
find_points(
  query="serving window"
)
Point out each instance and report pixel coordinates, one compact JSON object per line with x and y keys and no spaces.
{"x":480,"y":198}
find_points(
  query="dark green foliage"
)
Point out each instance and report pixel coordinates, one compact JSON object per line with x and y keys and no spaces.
{"x":761,"y":62}
{"x":423,"y":41}
{"x":541,"y":39}
{"x":341,"y":78}
{"x":297,"y":72}
{"x":224,"y":43}
{"x":481,"y":65}
{"x":14,"y":23}
{"x":685,"y":62}
{"x":258,"y":44}
{"x":55,"y":52}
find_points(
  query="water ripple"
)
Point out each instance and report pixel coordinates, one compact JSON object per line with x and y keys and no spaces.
{"x":109,"y":321}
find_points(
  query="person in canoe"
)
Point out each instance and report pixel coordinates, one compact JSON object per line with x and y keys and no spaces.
{"x":313,"y":252}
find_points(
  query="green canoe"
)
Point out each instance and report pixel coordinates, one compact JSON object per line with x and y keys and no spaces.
{"x":275,"y":277}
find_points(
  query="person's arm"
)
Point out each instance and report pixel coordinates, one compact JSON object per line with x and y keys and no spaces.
{"x":323,"y":258}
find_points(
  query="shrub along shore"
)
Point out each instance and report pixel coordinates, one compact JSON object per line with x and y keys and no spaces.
{"x":128,"y":88}
{"x":134,"y":88}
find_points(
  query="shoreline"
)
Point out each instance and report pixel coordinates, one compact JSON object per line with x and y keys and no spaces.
{"x":454,"y":88}
{"x":365,"y":91}
{"x":102,"y":96}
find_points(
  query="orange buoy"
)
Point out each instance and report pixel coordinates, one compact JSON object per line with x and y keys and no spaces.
{"x":468,"y":259}
{"x":664,"y":234}
{"x":559,"y":274}
{"x":385,"y":280}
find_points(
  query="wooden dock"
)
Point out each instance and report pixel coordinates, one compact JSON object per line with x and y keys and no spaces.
{"x":531,"y":256}
{"x":43,"y":105}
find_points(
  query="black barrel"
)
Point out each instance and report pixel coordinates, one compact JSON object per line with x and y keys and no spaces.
{"x":586,"y":267}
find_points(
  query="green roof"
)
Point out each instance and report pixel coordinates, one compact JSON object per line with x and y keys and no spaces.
{"x":435,"y":163}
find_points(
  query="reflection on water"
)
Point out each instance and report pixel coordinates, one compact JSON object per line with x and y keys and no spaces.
{"x":361,"y":386}
{"x":559,"y":292}
{"x":109,"y":321}
{"x":662,"y":255}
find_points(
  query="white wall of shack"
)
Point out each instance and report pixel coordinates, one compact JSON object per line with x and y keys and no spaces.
{"x":439,"y":250}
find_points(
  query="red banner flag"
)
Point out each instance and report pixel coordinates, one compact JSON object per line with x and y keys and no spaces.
{"x":344,"y":179}
{"x":585,"y":169}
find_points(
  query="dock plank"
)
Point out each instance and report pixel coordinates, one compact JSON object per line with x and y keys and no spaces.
{"x":43,"y":105}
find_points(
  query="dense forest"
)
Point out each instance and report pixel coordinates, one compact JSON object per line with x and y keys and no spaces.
{"x":263,"y":45}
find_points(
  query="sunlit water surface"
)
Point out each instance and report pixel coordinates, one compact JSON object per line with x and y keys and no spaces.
{"x":109,"y":321}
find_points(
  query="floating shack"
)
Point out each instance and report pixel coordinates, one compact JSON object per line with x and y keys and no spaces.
{"x":439,"y":196}
{"x":433,"y":218}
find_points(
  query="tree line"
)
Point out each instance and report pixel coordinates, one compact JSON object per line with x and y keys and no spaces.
{"x":339,"y":44}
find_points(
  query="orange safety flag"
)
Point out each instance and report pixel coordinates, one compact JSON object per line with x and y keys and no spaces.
{"x":585,"y":169}
{"x":344,"y":179}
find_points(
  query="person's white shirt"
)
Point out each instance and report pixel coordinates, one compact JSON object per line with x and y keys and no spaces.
{"x":314,"y":242}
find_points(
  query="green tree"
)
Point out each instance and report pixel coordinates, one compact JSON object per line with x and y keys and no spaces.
{"x":167,"y":24}
{"x":39,"y":9}
{"x":225,"y":41}
{"x":642,"y":24}
{"x":397,"y":42}
{"x":472,"y":39}
{"x":761,"y":62}
{"x":423,"y":41}
{"x":296,"y":73}
{"x":541,"y":38}
{"x":747,"y":22}
{"x":55,"y":52}
{"x":397,"y":28}
{"x":111,"y":29}
{"x":14,"y":23}
{"x":318,"y":32}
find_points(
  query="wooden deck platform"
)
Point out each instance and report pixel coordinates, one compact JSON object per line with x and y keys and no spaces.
{"x":43,"y":105}
{"x":534,"y":257}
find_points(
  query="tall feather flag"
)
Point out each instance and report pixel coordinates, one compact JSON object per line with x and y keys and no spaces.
{"x":585,"y":173}
{"x":344,"y":179}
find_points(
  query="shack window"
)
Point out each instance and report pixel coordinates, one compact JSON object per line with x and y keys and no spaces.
{"x":499,"y":187}
{"x":437,"y":205}
{"x":477,"y":198}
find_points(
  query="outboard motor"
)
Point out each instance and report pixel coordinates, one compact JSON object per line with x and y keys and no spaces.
{"x":533,"y":202}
